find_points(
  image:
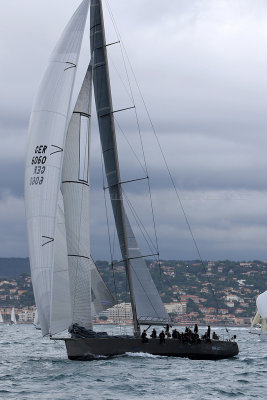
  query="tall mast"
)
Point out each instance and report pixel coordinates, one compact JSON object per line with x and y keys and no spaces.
{"x":104,"y":110}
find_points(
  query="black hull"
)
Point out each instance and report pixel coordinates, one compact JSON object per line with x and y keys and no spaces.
{"x":85,"y":349}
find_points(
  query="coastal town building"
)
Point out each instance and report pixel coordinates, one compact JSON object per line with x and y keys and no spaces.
{"x":227,"y":295}
{"x":120,"y":313}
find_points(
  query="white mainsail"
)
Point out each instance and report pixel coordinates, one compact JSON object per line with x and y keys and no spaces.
{"x":262,"y":311}
{"x":1,"y":318}
{"x":67,"y":285}
{"x":13,"y":318}
{"x":261,"y":315}
{"x":262,"y":304}
{"x":44,"y":159}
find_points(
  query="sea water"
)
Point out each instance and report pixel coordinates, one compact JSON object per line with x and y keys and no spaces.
{"x":32,"y":367}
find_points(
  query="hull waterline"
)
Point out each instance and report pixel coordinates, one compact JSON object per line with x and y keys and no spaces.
{"x":85,"y":349}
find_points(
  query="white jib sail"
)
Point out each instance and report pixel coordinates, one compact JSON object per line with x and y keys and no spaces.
{"x":75,"y":190}
{"x":13,"y":316}
{"x":102,"y":299}
{"x":36,"y":319}
{"x":256,"y":320}
{"x":262,"y":304}
{"x":44,"y":158}
{"x":89,"y":294}
{"x":264,"y":325}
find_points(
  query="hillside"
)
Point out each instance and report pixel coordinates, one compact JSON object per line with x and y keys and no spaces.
{"x":213,"y":292}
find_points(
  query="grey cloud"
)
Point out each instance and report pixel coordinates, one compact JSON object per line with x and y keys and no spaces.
{"x":202,"y":70}
{"x":13,"y":236}
{"x":11,"y":178}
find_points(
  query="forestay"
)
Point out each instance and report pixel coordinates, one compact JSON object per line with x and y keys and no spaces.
{"x":47,"y":132}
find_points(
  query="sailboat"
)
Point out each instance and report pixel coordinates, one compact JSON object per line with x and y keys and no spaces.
{"x":68,"y":288}
{"x":260,"y":318}
{"x":13,"y":318}
{"x":36,"y":322}
{"x":1,"y":318}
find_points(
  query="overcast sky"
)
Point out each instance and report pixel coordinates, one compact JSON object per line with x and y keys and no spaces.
{"x":201,"y":66}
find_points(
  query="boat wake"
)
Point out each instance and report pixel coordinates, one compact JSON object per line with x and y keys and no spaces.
{"x":143,"y":355}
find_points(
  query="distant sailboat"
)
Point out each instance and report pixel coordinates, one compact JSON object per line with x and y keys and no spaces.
{"x":1,"y":318}
{"x":36,"y":321}
{"x":68,"y":288}
{"x":260,"y":318}
{"x":13,"y":318}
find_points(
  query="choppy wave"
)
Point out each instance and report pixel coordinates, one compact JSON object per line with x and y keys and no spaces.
{"x":35,"y":368}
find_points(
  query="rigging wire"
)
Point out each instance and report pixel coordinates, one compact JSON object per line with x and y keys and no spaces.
{"x":121,"y":79}
{"x":131,"y":147}
{"x":140,"y":225}
{"x":124,"y":51}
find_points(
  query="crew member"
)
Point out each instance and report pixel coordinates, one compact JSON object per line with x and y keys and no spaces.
{"x":215,"y":336}
{"x":175,"y":334}
{"x":143,"y":336}
{"x":162,"y":337}
{"x":154,"y":334}
{"x":208,"y":332}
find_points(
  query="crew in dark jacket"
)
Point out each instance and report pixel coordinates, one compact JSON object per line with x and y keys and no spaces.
{"x":143,"y":336}
{"x":208,"y":332}
{"x":175,"y":334}
{"x":162,"y":337}
{"x":154,"y":334}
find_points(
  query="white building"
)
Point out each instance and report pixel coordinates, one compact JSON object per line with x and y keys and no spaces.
{"x":120,"y":312}
{"x":232,"y":297}
{"x":176,"y":308}
{"x":229,"y":303}
{"x":26,"y":316}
